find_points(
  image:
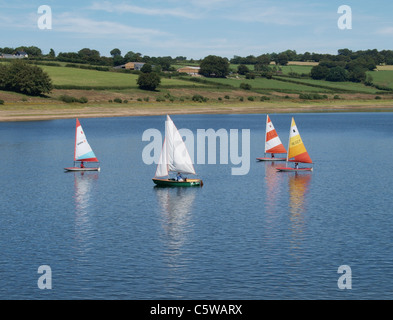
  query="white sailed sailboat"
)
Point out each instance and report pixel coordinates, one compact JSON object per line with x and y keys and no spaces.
{"x":273,"y":144}
{"x":176,"y":159}
{"x":83,"y":153}
{"x":297,"y":152}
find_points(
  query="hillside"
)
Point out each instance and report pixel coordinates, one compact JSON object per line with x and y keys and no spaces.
{"x":116,"y":93}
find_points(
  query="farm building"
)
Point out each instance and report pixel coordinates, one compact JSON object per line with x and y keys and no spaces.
{"x":17,"y":55}
{"x":134,"y":65}
{"x":193,"y":71}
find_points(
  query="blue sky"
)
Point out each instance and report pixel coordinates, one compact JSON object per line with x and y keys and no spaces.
{"x":197,"y":28}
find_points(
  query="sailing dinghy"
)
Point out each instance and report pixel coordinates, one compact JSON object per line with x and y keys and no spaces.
{"x":297,"y":152}
{"x":174,"y":158}
{"x":273,"y":143}
{"x":83,"y":153}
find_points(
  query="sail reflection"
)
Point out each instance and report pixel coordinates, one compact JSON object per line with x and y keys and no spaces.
{"x":273,"y":187}
{"x":298,"y":189}
{"x":83,"y":184}
{"x":176,"y":212}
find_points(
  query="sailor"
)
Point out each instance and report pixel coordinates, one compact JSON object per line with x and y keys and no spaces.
{"x":82,"y":165}
{"x":296,"y":165}
{"x":179,"y":177}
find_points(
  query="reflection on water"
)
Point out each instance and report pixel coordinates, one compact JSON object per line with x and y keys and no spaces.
{"x":83,"y":184}
{"x":298,"y":189}
{"x":274,"y":182}
{"x":176,"y":211}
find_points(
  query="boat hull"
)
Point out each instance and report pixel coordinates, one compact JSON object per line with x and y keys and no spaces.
{"x":271,"y":159}
{"x":287,"y":169}
{"x":174,"y":183}
{"x":81,"y":169}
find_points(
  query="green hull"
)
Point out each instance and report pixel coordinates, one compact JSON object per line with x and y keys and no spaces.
{"x":173,"y":183}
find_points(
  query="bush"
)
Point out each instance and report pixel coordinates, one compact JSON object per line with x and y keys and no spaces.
{"x":69,"y":99}
{"x":83,"y":100}
{"x":21,"y":77}
{"x":199,"y":98}
{"x":245,"y":86}
{"x":117,"y":100}
{"x":250,"y":98}
{"x":148,"y":81}
{"x":312,"y":96}
{"x":264,"y":98}
{"x":1,"y":102}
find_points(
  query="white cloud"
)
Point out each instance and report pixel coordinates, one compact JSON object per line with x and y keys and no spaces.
{"x":80,"y":25}
{"x":126,"y":8}
{"x":388,"y":31}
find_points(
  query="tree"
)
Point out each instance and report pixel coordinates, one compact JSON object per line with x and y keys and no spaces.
{"x":28,"y":79}
{"x":357,"y":74}
{"x":337,"y":74}
{"x":147,"y":68}
{"x":89,"y":55}
{"x":148,"y":81}
{"x":282,"y":59}
{"x":319,"y":72}
{"x":242,"y":69}
{"x":214,"y":66}
{"x":115,"y":53}
{"x":133,"y":57}
{"x":52,"y":54}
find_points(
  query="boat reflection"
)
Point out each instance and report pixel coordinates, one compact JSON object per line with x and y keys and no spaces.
{"x":83,"y":185}
{"x":298,"y":189}
{"x":176,"y":206}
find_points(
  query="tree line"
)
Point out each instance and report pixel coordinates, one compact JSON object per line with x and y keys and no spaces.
{"x":92,"y":56}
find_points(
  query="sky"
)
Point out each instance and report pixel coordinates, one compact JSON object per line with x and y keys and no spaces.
{"x":197,"y":28}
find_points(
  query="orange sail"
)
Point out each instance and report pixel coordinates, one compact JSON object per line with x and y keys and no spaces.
{"x":272,"y":142}
{"x":296,"y":150}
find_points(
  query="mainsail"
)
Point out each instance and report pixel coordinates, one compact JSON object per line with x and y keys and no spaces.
{"x":83,"y":151}
{"x":296,"y":150}
{"x":174,"y":155}
{"x":272,"y":142}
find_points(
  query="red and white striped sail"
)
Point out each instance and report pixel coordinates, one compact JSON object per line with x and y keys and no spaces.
{"x":273,"y":143}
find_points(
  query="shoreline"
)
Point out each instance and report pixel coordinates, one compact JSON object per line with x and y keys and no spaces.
{"x":19,"y":113}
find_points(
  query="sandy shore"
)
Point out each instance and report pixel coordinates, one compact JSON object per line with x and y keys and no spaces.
{"x":39,"y":112}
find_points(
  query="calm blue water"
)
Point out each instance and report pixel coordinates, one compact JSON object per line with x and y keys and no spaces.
{"x":265,"y":235}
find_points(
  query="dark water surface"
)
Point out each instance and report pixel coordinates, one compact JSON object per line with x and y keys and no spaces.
{"x":264,"y":235}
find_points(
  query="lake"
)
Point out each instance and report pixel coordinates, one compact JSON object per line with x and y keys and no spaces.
{"x":261,"y":235}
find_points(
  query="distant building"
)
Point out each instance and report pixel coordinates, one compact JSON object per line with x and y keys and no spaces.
{"x":192,"y":71}
{"x":17,"y":55}
{"x":21,"y":54}
{"x":134,"y":65}
{"x":131,"y":66}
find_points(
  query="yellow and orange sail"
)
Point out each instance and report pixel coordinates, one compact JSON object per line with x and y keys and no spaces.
{"x":296,"y":150}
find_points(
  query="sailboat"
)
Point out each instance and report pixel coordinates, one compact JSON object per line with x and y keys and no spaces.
{"x":296,"y":151}
{"x":273,"y":143}
{"x":174,"y":158}
{"x":83,"y":153}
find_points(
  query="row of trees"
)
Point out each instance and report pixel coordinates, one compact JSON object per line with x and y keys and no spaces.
{"x":344,"y":70}
{"x":282,"y":58}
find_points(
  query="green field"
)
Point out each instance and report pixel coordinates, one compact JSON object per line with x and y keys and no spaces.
{"x":64,"y":76}
{"x":268,"y":85}
{"x":384,"y":78}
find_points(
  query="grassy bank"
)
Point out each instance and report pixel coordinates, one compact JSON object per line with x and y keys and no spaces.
{"x":117,"y":94}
